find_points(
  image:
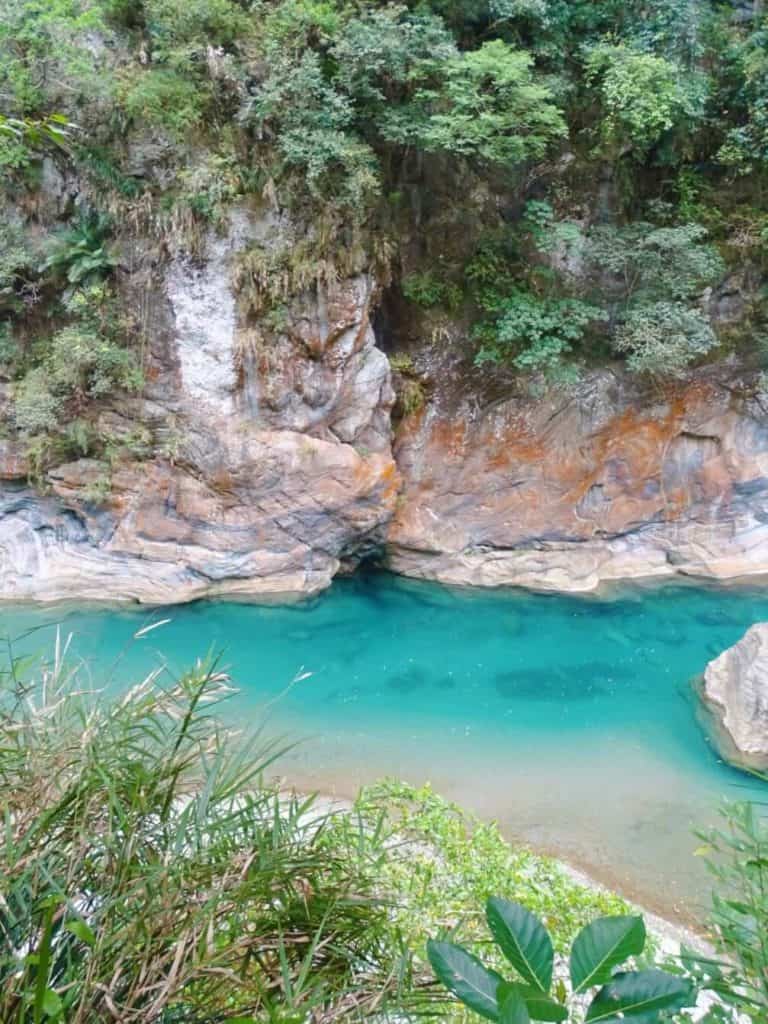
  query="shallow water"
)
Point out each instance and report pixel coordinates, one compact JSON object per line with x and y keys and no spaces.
{"x":571,"y":720}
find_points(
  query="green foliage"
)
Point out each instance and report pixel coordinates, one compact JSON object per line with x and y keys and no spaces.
{"x":22,"y":139}
{"x":382,"y":54}
{"x":83,"y":361}
{"x":9,"y":349}
{"x":444,"y":864}
{"x":427,"y":290}
{"x":737,"y":856}
{"x":645,"y":996}
{"x":192,"y":24}
{"x":536,"y":334}
{"x":440,"y":125}
{"x":395,"y":78}
{"x":45,"y":64}
{"x":16,"y":263}
{"x":651,"y":262}
{"x":311,"y":124}
{"x":164,"y":98}
{"x":745,"y":147}
{"x":80,"y":253}
{"x":489,"y":109}
{"x":664,"y":338}
{"x":643,"y":96}
{"x":146,"y":866}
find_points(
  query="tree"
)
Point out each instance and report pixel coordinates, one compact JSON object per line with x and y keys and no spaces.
{"x":490,"y":108}
{"x":643,"y":96}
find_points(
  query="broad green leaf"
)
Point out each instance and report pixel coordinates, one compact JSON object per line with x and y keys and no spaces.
{"x":638,"y":995}
{"x":466,"y":976}
{"x":523,"y":940}
{"x":512,"y":1009}
{"x":540,"y":1006}
{"x":52,"y":1004}
{"x":601,"y":946}
{"x":81,"y":931}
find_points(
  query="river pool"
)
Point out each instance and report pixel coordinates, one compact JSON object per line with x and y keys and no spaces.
{"x":571,"y":720}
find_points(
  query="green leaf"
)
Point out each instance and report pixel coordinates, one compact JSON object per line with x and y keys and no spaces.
{"x":637,"y":995}
{"x":540,"y":1007}
{"x":464,"y":975}
{"x":81,"y":931}
{"x":523,"y":940}
{"x":52,"y":1005}
{"x":512,"y":1008}
{"x":601,"y":946}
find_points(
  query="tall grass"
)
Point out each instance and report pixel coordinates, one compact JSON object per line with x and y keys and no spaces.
{"x":149,"y":875}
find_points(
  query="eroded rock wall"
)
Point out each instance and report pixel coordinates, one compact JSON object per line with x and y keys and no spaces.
{"x":268,"y":466}
{"x":269,"y":460}
{"x":616,"y":480}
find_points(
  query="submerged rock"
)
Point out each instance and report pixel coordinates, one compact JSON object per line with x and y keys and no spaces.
{"x":735,"y":692}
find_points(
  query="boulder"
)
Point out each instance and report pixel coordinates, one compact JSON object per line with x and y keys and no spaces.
{"x":735,"y":692}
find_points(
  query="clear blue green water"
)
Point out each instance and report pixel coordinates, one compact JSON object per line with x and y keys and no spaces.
{"x":571,"y":720}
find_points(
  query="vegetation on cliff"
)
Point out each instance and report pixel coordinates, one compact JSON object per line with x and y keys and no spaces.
{"x":570,"y":182}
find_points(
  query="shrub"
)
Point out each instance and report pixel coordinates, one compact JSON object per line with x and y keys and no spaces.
{"x":81,"y":362}
{"x":602,"y":946}
{"x":164,"y":98}
{"x":36,"y":409}
{"x":427,"y":290}
{"x":736,"y":856}
{"x":16,"y":261}
{"x":443,"y":864}
{"x":80,"y":253}
{"x":312,"y":125}
{"x":150,"y":875}
{"x":384,"y":54}
{"x":537,"y":334}
{"x":745,"y":148}
{"x":22,"y":139}
{"x":491,"y":108}
{"x":664,"y":338}
{"x":45,"y":65}
{"x":653,"y":262}
{"x":174,"y":25}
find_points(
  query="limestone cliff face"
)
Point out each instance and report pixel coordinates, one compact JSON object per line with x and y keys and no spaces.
{"x":265,"y":472}
{"x":610,"y":482}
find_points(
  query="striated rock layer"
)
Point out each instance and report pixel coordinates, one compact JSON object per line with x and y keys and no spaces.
{"x":267,"y":461}
{"x":258,"y":461}
{"x":735,"y":691}
{"x":608,"y":483}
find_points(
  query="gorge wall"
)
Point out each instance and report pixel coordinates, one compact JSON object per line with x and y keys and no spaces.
{"x":271,"y":463}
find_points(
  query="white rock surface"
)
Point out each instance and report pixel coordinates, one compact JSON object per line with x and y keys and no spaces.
{"x":736,"y":692}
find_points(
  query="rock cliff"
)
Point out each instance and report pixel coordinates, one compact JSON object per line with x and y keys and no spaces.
{"x":269,"y":462}
{"x":608,"y":482}
{"x":735,"y":691}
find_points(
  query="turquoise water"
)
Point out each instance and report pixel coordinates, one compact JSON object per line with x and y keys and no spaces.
{"x":571,"y":720}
